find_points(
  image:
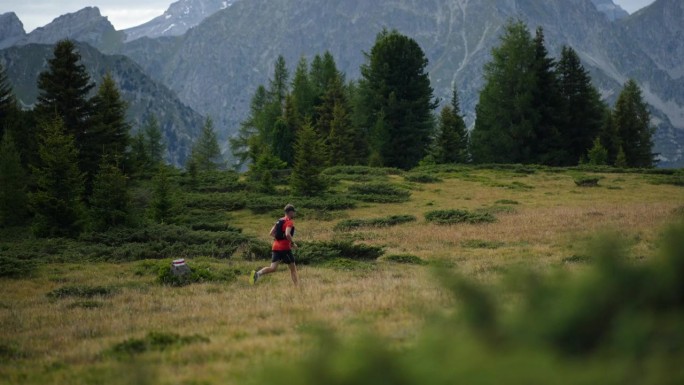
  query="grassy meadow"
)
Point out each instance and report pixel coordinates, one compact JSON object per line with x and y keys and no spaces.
{"x":90,"y":321}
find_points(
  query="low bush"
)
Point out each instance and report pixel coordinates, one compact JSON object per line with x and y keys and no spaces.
{"x":449,"y":217}
{"x":319,"y":252}
{"x":393,"y":220}
{"x":507,"y":202}
{"x":587,"y":181}
{"x":215,"y":201}
{"x":408,"y":259}
{"x":154,"y":341}
{"x":422,"y":178}
{"x":496,"y":210}
{"x":82,"y":291}
{"x":361,"y":170}
{"x":270,"y":204}
{"x":16,"y":268}
{"x":199,"y":273}
{"x":85,"y":305}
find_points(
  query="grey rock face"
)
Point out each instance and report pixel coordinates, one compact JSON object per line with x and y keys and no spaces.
{"x":611,"y":10}
{"x":86,"y":25}
{"x":11,"y":29}
{"x":181,"y":16}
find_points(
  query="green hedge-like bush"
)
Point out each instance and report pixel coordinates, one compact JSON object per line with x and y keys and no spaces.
{"x":448,"y":217}
{"x":154,"y":341}
{"x":361,"y":170}
{"x":319,"y":252}
{"x":215,"y":201}
{"x":481,"y":244}
{"x":587,"y":181}
{"x":16,"y":268}
{"x":82,"y":291}
{"x":407,"y":259}
{"x":393,"y":220}
{"x":379,"y":193}
{"x":422,"y":178}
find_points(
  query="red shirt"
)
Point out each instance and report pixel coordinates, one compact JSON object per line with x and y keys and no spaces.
{"x":283,"y":244}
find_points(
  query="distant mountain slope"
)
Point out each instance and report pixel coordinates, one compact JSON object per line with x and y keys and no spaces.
{"x":178,"y":18}
{"x":11,"y":29}
{"x":86,"y":25}
{"x":179,"y":123}
{"x":610,"y":9}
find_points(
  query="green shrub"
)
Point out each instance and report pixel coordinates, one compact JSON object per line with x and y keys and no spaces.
{"x":319,"y":252}
{"x":154,"y":341}
{"x":405,"y":259}
{"x":393,"y":220}
{"x":422,"y":178}
{"x":448,"y":217}
{"x":361,"y":170}
{"x":507,"y":202}
{"x":587,"y":181}
{"x":496,"y":210}
{"x":215,"y":201}
{"x":199,"y":273}
{"x":255,"y":250}
{"x":82,"y":291}
{"x":271,"y":204}
{"x":675,"y":180}
{"x":16,"y":268}
{"x":85,"y":305}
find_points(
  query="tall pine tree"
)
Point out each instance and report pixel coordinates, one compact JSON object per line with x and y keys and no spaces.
{"x":303,"y":91}
{"x":154,"y":143}
{"x":57,"y":200}
{"x":451,"y":139}
{"x":633,"y":122}
{"x":309,"y":162}
{"x":506,"y":115}
{"x":13,"y":198}
{"x":583,"y":112}
{"x":8,"y":104}
{"x":206,"y":153}
{"x":396,"y":83}
{"x":285,"y":132}
{"x":64,"y":89}
{"x":108,"y":133}
{"x":110,"y":201}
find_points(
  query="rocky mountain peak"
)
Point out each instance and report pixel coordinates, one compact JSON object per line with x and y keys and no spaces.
{"x":11,"y":29}
{"x":86,"y":25}
{"x":610,"y":9}
{"x":178,"y":18}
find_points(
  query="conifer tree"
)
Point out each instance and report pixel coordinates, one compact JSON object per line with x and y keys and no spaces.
{"x":278,"y":88}
{"x":334,"y":94}
{"x":139,"y":158}
{"x":608,"y":136}
{"x":252,"y":139}
{"x":303,"y":92}
{"x":154,"y":143}
{"x":8,"y":104}
{"x":633,"y":122}
{"x":396,"y":82}
{"x":161,"y":207}
{"x":13,"y":198}
{"x":346,"y":144}
{"x":57,"y":201}
{"x":451,"y":140}
{"x":285,"y":132}
{"x":583,"y":112}
{"x":310,"y":159}
{"x":110,"y":201}
{"x":64,"y":89}
{"x":547,"y":147}
{"x":323,"y":72}
{"x":108,"y":133}
{"x":621,"y":158}
{"x":206,"y":153}
{"x":598,"y":155}
{"x":506,"y":115}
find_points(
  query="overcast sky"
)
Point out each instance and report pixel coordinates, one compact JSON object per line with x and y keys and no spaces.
{"x":129,"y":13}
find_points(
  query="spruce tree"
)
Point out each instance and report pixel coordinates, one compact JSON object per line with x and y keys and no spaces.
{"x":310,"y":159}
{"x":154,"y":143}
{"x":206,"y":154}
{"x":633,"y":122}
{"x":447,"y":142}
{"x":139,"y":157}
{"x":346,"y":144}
{"x":547,"y":147}
{"x":278,"y":86}
{"x":8,"y":104}
{"x":13,"y":198}
{"x":608,"y":136}
{"x":110,"y":201}
{"x":162,"y":205}
{"x":251,"y":140}
{"x":57,"y":200}
{"x":396,"y":83}
{"x":108,"y":133}
{"x":583,"y":112}
{"x":506,"y":115}
{"x":64,"y":89}
{"x":598,"y":155}
{"x":334,"y":95}
{"x":285,"y":132}
{"x":303,"y":91}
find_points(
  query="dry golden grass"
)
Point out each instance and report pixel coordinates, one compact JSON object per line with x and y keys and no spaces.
{"x":249,"y":326}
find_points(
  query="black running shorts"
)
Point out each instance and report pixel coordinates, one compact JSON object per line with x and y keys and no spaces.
{"x":284,"y":256}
